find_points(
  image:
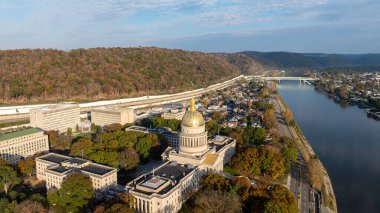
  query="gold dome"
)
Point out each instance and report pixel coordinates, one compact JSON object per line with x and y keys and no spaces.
{"x":192,"y":117}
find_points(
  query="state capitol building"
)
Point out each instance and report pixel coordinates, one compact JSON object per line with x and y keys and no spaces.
{"x":167,"y":187}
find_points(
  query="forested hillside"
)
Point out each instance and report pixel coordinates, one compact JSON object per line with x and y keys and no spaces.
{"x":317,"y":61}
{"x":41,"y":75}
{"x":247,"y":65}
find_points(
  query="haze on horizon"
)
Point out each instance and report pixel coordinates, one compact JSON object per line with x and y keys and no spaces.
{"x":328,"y":26}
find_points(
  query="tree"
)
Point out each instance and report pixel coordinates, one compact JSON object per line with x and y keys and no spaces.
{"x":210,"y":201}
{"x":6,"y":206}
{"x":281,"y":200}
{"x":83,"y":146}
{"x":77,"y":128}
{"x":69,"y":132}
{"x":264,"y":92}
{"x":216,"y":182}
{"x":112,"y":128}
{"x":205,"y":102}
{"x":288,"y":117}
{"x":269,"y":119}
{"x":75,"y":192}
{"x":53,"y":137}
{"x":30,"y":206}
{"x":129,"y":159}
{"x":213,"y":128}
{"x":3,"y":162}
{"x":8,"y":178}
{"x":254,"y":135}
{"x":143,"y":147}
{"x":217,"y":116}
{"x":26,"y":166}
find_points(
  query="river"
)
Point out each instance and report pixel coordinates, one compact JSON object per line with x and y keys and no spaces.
{"x":345,"y":140}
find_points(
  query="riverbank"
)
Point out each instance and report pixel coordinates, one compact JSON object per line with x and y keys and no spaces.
{"x":353,"y":99}
{"x":317,"y":175}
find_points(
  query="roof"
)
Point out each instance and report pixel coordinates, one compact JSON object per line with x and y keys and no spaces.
{"x":57,"y":107}
{"x":55,"y":158}
{"x":19,"y":133}
{"x":210,"y":159}
{"x":59,"y":169}
{"x":96,"y":169}
{"x":170,"y":171}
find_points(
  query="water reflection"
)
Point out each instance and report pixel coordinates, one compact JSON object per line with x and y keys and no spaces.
{"x":346,"y":141}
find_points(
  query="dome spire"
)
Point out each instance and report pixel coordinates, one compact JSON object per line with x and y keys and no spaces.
{"x":192,"y":105}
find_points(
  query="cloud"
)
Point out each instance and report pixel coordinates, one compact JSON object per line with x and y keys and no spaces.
{"x":88,"y":23}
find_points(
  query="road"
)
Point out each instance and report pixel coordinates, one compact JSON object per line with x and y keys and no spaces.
{"x":298,"y":185}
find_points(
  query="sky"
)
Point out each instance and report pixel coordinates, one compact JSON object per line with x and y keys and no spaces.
{"x":325,"y":26}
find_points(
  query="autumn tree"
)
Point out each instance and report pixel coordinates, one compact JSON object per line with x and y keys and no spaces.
{"x":287,"y":115}
{"x":217,"y":116}
{"x":53,"y":137}
{"x":269,"y":119}
{"x":8,"y":178}
{"x":82,"y":147}
{"x":129,"y":159}
{"x":281,"y":200}
{"x":216,"y":182}
{"x":112,"y":128}
{"x":211,"y":201}
{"x":206,"y":101}
{"x":264,"y":92}
{"x":30,"y":206}
{"x":75,"y":192}
{"x":26,"y":166}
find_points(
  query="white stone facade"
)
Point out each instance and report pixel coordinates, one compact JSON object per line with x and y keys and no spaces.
{"x":54,"y":168}
{"x":164,"y":190}
{"x":102,"y":116}
{"x":23,"y":143}
{"x":58,"y":117}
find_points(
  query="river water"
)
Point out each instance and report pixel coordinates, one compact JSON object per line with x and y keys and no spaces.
{"x":345,"y":140}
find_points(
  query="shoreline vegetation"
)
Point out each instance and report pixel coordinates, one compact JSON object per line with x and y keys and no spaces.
{"x":317,"y":174}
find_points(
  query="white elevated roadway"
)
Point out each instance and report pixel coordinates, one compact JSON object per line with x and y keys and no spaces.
{"x":280,"y":78}
{"x":12,"y":113}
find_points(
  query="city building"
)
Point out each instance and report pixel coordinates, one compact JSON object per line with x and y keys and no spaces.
{"x":19,"y":144}
{"x":170,"y":136}
{"x":106,"y":115}
{"x":174,"y":114}
{"x":58,"y":117}
{"x":167,"y":187}
{"x":54,"y":168}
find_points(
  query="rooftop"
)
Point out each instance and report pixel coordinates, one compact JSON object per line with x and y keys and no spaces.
{"x":96,"y":169}
{"x":54,"y":158}
{"x":18,"y":133}
{"x":109,"y":109}
{"x":154,"y":182}
{"x":59,"y":169}
{"x":77,"y":161}
{"x":170,"y":171}
{"x":57,"y":107}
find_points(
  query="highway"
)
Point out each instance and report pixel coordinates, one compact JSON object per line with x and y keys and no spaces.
{"x":14,"y":113}
{"x":299,"y":186}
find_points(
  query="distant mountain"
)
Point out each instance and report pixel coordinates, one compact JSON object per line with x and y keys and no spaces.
{"x":317,"y":61}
